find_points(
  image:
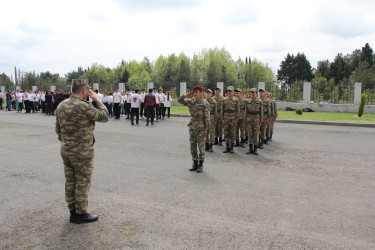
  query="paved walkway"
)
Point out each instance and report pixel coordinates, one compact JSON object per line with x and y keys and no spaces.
{"x":312,"y":187}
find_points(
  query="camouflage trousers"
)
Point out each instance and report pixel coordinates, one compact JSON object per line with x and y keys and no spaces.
{"x":229,"y":131}
{"x":218,"y":128}
{"x":253,"y":130}
{"x":263,"y":131}
{"x":268,"y":130}
{"x":210,"y":138}
{"x":78,"y":173}
{"x":197,"y":144}
{"x":241,"y":129}
{"x":272,"y":124}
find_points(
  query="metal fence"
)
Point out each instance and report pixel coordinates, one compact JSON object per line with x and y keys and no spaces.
{"x":370,"y":95}
{"x":342,"y":93}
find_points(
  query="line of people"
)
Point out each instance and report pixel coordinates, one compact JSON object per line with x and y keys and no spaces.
{"x":234,"y":119}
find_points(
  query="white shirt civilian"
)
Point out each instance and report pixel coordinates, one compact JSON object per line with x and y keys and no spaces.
{"x":31,"y":97}
{"x":100,"y":96}
{"x":19,"y":97}
{"x":162,"y":97}
{"x":43,"y":97}
{"x":37,"y":97}
{"x":110,"y":99}
{"x":117,"y":97}
{"x":143,"y":97}
{"x":129,"y":97}
{"x":167,"y":103}
{"x":135,"y":99}
{"x":105,"y":99}
{"x":156,"y":97}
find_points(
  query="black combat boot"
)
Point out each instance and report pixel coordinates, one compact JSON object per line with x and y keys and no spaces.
{"x":255,"y":151}
{"x":260,"y":144}
{"x":270,"y":139}
{"x":220,"y":141}
{"x":237,"y":143}
{"x":195,"y":166}
{"x":226,"y":148}
{"x":85,"y":218}
{"x":216,"y":141}
{"x":200,"y":167}
{"x":266,"y":141}
{"x":242,"y":144}
{"x":231,"y":148}
{"x":246,"y":139}
{"x":207,"y":145}
{"x":72,"y":216}
{"x":210,"y":148}
{"x":250,"y":149}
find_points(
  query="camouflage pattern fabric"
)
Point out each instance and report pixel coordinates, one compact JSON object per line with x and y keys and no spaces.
{"x":274,"y":115}
{"x":266,"y":116}
{"x":254,"y":116}
{"x":230,"y":111}
{"x":241,"y":126}
{"x":210,"y":138}
{"x":75,"y":123}
{"x":199,"y":122}
{"x":219,"y":125}
{"x":78,"y":173}
{"x":269,"y":125}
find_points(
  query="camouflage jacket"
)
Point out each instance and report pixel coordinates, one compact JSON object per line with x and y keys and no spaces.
{"x":219,"y":102}
{"x":212,"y":109}
{"x":266,"y":109}
{"x":230,"y":108}
{"x":75,"y":124}
{"x":199,"y":112}
{"x":242,"y":108}
{"x":254,"y":109}
{"x":274,"y":106}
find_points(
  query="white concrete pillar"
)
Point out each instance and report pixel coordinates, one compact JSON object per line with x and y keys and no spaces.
{"x":53,"y":88}
{"x":121,"y":87}
{"x":18,"y":87}
{"x":2,"y":89}
{"x":221,"y":86}
{"x":306,"y":94}
{"x":357,"y":93}
{"x":95,"y":86}
{"x":150,"y":85}
{"x":261,"y":85}
{"x":34,"y":88}
{"x":182,"y":88}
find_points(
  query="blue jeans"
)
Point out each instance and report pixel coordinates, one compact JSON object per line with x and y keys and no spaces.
{"x":122,"y":109}
{"x":9,"y":105}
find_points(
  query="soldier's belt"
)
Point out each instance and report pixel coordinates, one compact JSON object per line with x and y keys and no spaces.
{"x":265,"y":112}
{"x":230,"y":111}
{"x":253,"y":113}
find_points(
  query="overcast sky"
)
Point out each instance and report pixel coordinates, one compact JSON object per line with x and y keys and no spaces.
{"x":60,"y":36}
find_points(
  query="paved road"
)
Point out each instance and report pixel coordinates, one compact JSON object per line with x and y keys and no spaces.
{"x":313,"y":187}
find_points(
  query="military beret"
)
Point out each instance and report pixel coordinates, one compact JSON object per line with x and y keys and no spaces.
{"x":230,"y":88}
{"x":79,"y":83}
{"x":209,"y":90}
{"x":261,"y":90}
{"x":198,"y":87}
{"x":238,"y":90}
{"x":253,"y":90}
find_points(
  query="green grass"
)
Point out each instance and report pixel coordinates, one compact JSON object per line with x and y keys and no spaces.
{"x":309,"y":116}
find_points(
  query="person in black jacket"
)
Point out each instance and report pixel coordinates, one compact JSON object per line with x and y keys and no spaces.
{"x":9,"y":100}
{"x":49,"y":101}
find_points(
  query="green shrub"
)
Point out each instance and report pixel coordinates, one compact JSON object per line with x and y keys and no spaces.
{"x":299,"y":111}
{"x":361,"y":108}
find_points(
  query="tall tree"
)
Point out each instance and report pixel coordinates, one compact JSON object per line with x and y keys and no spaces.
{"x":212,"y":74}
{"x":367,"y":55}
{"x":323,"y":69}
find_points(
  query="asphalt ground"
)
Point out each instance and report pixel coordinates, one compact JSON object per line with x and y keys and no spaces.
{"x":312,"y":187}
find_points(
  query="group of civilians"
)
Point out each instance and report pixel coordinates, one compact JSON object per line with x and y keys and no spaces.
{"x":154,"y":105}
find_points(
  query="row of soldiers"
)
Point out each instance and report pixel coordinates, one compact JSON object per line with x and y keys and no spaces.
{"x":240,"y":119}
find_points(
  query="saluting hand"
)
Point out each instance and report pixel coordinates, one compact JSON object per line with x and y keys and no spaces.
{"x":93,"y":95}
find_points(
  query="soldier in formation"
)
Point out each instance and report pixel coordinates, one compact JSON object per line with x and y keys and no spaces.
{"x":266,"y":118}
{"x":254,"y":118}
{"x":198,"y":125}
{"x":230,"y":112}
{"x":213,"y":118}
{"x":218,"y":125}
{"x":241,"y":127}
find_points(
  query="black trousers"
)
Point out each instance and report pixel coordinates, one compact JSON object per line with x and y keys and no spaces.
{"x":20,"y":106}
{"x":128,"y":109}
{"x":162,"y":110}
{"x":169,"y":111}
{"x":1,"y":103}
{"x":27,"y":106}
{"x":142,"y":107}
{"x":44,"y":108}
{"x":134,"y":111}
{"x":157,"y":111}
{"x":150,"y":113}
{"x":49,"y":108}
{"x":116,"y":109}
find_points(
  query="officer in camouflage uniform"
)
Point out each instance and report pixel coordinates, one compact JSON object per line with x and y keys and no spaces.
{"x":230,"y":112}
{"x":218,"y":125}
{"x":198,"y":125}
{"x":254,"y":117}
{"x":268,"y":129}
{"x":244,"y":96}
{"x":274,"y":115}
{"x":75,"y":123}
{"x":241,"y":127}
{"x":266,"y":117}
{"x":213,"y":118}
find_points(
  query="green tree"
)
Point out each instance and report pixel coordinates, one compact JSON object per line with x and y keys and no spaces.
{"x":323,"y":69}
{"x":367,"y":55}
{"x":211,"y":75}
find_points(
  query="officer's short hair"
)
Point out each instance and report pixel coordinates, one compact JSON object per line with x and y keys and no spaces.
{"x":149,"y":90}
